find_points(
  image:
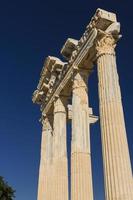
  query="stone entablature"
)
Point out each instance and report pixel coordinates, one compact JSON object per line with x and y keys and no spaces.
{"x":56,"y":74}
{"x":50,"y":75}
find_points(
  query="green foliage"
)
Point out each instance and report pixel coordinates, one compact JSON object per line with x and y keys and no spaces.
{"x":6,"y":191}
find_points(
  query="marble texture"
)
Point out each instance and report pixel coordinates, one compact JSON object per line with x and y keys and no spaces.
{"x":81,"y":175}
{"x":116,"y":160}
{"x":60,"y":166}
{"x":44,"y":181}
{"x":63,"y":81}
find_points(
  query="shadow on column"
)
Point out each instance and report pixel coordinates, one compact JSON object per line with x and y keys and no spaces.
{"x":96,"y":147}
{"x":69,"y":158}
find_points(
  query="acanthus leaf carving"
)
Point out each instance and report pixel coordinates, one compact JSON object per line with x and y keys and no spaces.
{"x":106,"y":45}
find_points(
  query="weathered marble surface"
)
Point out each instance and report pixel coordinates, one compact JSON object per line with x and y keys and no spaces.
{"x":63,"y":82}
{"x":117,"y":166}
{"x":81,"y":174}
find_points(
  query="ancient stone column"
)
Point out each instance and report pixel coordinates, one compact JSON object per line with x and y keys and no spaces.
{"x":117,"y":166}
{"x":60,"y":169}
{"x":44,"y":182}
{"x":81,"y":173}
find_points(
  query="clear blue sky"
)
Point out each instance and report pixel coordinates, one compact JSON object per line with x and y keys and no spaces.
{"x":29,"y":31}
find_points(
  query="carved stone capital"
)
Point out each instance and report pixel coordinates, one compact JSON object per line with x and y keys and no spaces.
{"x":47,"y":122}
{"x":106,"y":45}
{"x":80,"y":79}
{"x":60,"y":104}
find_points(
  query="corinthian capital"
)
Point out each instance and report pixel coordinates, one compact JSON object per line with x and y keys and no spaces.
{"x":47,"y":122}
{"x":106,"y":45}
{"x":80,"y":79}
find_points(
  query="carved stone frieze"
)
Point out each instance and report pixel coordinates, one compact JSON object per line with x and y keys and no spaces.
{"x":38,"y":96}
{"x":100,"y":34}
{"x":68,"y":48}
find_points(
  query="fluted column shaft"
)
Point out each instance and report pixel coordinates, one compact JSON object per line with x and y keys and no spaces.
{"x":44,"y":181}
{"x":116,"y":160}
{"x":60,"y":168}
{"x":81,"y":173}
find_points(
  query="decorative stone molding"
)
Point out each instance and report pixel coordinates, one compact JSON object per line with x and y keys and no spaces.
{"x":49,"y":76}
{"x":106,"y":45}
{"x":106,"y":40}
{"x":92,"y":118}
{"x":68,"y":48}
{"x":77,"y":53}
